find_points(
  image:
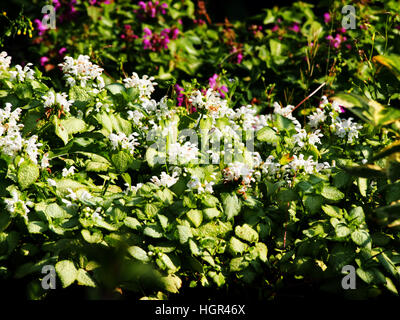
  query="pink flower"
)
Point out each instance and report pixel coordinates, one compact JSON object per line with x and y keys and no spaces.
{"x":43,"y":60}
{"x":295,"y":27}
{"x":275,"y":28}
{"x":179,"y":93}
{"x":327,"y":17}
{"x":239,"y":58}
{"x":42,"y":28}
{"x":62,"y":51}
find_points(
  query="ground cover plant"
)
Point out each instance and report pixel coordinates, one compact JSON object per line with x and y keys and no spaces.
{"x":149,"y":152}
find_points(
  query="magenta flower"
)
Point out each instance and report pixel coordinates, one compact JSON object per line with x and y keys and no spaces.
{"x":212,"y":83}
{"x":43,"y":60}
{"x":239,"y":58}
{"x":62,"y":51}
{"x":179,"y":92}
{"x":295,"y":27}
{"x":327,"y":17}
{"x":275,"y":28}
{"x":40,"y":26}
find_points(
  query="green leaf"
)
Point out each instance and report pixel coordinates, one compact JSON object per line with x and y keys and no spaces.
{"x":238,"y":264}
{"x":28,"y":173}
{"x":73,"y":125}
{"x":332,"y":211}
{"x":138,"y":253}
{"x":231,"y":204}
{"x":247,"y":233}
{"x":153,"y":231}
{"x":121,"y":161}
{"x":195,"y":217}
{"x":332,"y":193}
{"x":61,"y":132}
{"x":184,"y":233}
{"x":342,"y":230}
{"x":236,"y":246}
{"x":357,"y":215}
{"x":54,"y":211}
{"x":95,"y":237}
{"x":287,"y":195}
{"x":267,"y":134}
{"x":313,"y":203}
{"x":361,"y":238}
{"x":211,"y":213}
{"x":66,"y":272}
{"x":132,"y":223}
{"x":37,"y":227}
{"x":172,"y":283}
{"x":115,"y":88}
{"x":83,"y":278}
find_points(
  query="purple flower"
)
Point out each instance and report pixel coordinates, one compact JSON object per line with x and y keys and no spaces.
{"x":179,"y":93}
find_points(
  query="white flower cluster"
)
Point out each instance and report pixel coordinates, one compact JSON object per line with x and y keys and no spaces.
{"x":195,"y":184}
{"x":83,"y":70}
{"x":238,"y":170}
{"x":211,"y":101}
{"x":182,"y":153}
{"x":246,"y":116}
{"x":165,"y":179}
{"x":11,"y":141}
{"x":61,"y":99}
{"x":15,"y":203}
{"x":126,"y":142}
{"x":301,"y":138}
{"x":345,"y":127}
{"x":144,"y":85}
{"x":22,"y":73}
{"x":4,"y":62}
{"x":308,"y":165}
{"x":270,"y":167}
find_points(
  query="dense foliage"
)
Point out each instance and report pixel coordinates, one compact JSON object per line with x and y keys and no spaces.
{"x":260,"y":155}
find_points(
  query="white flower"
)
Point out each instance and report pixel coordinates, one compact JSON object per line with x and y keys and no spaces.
{"x":61,"y":99}
{"x":300,"y":137}
{"x":343,"y":127}
{"x":66,"y":172}
{"x":85,"y":195}
{"x":287,"y":113}
{"x":133,"y":189}
{"x":238,"y":170}
{"x":316,"y":117}
{"x":195,"y":184}
{"x":51,"y":182}
{"x":313,"y":137}
{"x":21,"y":74}
{"x":165,"y":179}
{"x":270,"y":167}
{"x":4,"y":62}
{"x":15,"y":201}
{"x":83,"y":70}
{"x":72,"y":194}
{"x":120,"y":139}
{"x":144,"y":85}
